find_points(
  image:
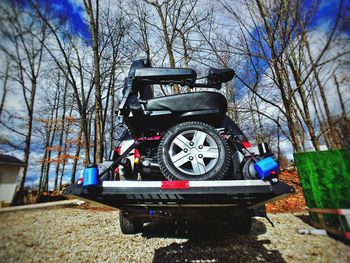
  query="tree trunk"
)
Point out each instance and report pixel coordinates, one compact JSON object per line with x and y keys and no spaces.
{"x":167,"y":39}
{"x":94,"y":27}
{"x":112,"y":113}
{"x":4,"y":85}
{"x":77,"y":153}
{"x":335,"y":139}
{"x":306,"y":116}
{"x":60,"y":142}
{"x":278,"y":72}
{"x":342,"y":104}
{"x":19,"y":195}
{"x":321,"y":124}
{"x":66,"y":147}
{"x":48,"y":128}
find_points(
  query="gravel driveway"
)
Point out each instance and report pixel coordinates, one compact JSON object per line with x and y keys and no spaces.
{"x":90,"y":235}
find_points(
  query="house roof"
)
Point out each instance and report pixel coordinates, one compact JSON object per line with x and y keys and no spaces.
{"x":8,"y":159}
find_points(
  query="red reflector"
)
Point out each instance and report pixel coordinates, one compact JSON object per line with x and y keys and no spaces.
{"x":175,"y":185}
{"x":273,"y":172}
{"x":347,"y":235}
{"x":246,"y":144}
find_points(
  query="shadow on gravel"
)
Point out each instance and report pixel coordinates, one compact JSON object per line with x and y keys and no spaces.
{"x":305,"y":219}
{"x":211,"y":242}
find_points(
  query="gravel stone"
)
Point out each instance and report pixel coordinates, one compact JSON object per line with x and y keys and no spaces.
{"x":88,"y":235}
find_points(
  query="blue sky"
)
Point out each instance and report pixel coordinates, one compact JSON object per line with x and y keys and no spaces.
{"x":66,"y":10}
{"x":327,"y":12}
{"x":323,"y":19}
{"x":74,"y":12}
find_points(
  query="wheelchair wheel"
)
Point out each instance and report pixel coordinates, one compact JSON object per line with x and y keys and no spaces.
{"x":193,"y":151}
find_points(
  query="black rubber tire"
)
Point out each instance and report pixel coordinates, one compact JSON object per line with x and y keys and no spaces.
{"x":129,"y":225}
{"x":242,"y":225}
{"x":169,"y":170}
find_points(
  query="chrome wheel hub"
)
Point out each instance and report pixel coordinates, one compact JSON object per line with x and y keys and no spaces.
{"x":194,"y":152}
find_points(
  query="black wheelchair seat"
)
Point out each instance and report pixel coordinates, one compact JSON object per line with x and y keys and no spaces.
{"x":188,"y":102}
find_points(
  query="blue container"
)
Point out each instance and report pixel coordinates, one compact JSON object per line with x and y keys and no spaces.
{"x":90,"y":176}
{"x":265,"y":167}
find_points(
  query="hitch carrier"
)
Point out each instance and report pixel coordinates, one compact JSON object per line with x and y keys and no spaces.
{"x":182,"y":201}
{"x":161,"y":194}
{"x":236,"y":201}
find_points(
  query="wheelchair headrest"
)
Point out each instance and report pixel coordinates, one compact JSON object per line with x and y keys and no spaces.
{"x":140,"y":63}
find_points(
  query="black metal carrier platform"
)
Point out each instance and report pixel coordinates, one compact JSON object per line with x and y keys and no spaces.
{"x":171,"y":194}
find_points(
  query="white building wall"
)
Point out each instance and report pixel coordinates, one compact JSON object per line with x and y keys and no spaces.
{"x":8,"y":176}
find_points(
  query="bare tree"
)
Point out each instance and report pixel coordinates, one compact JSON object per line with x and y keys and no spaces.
{"x":65,"y":51}
{"x":274,"y":35}
{"x":49,"y":124}
{"x":26,"y":53}
{"x":175,"y":22}
{"x":93,"y":13}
